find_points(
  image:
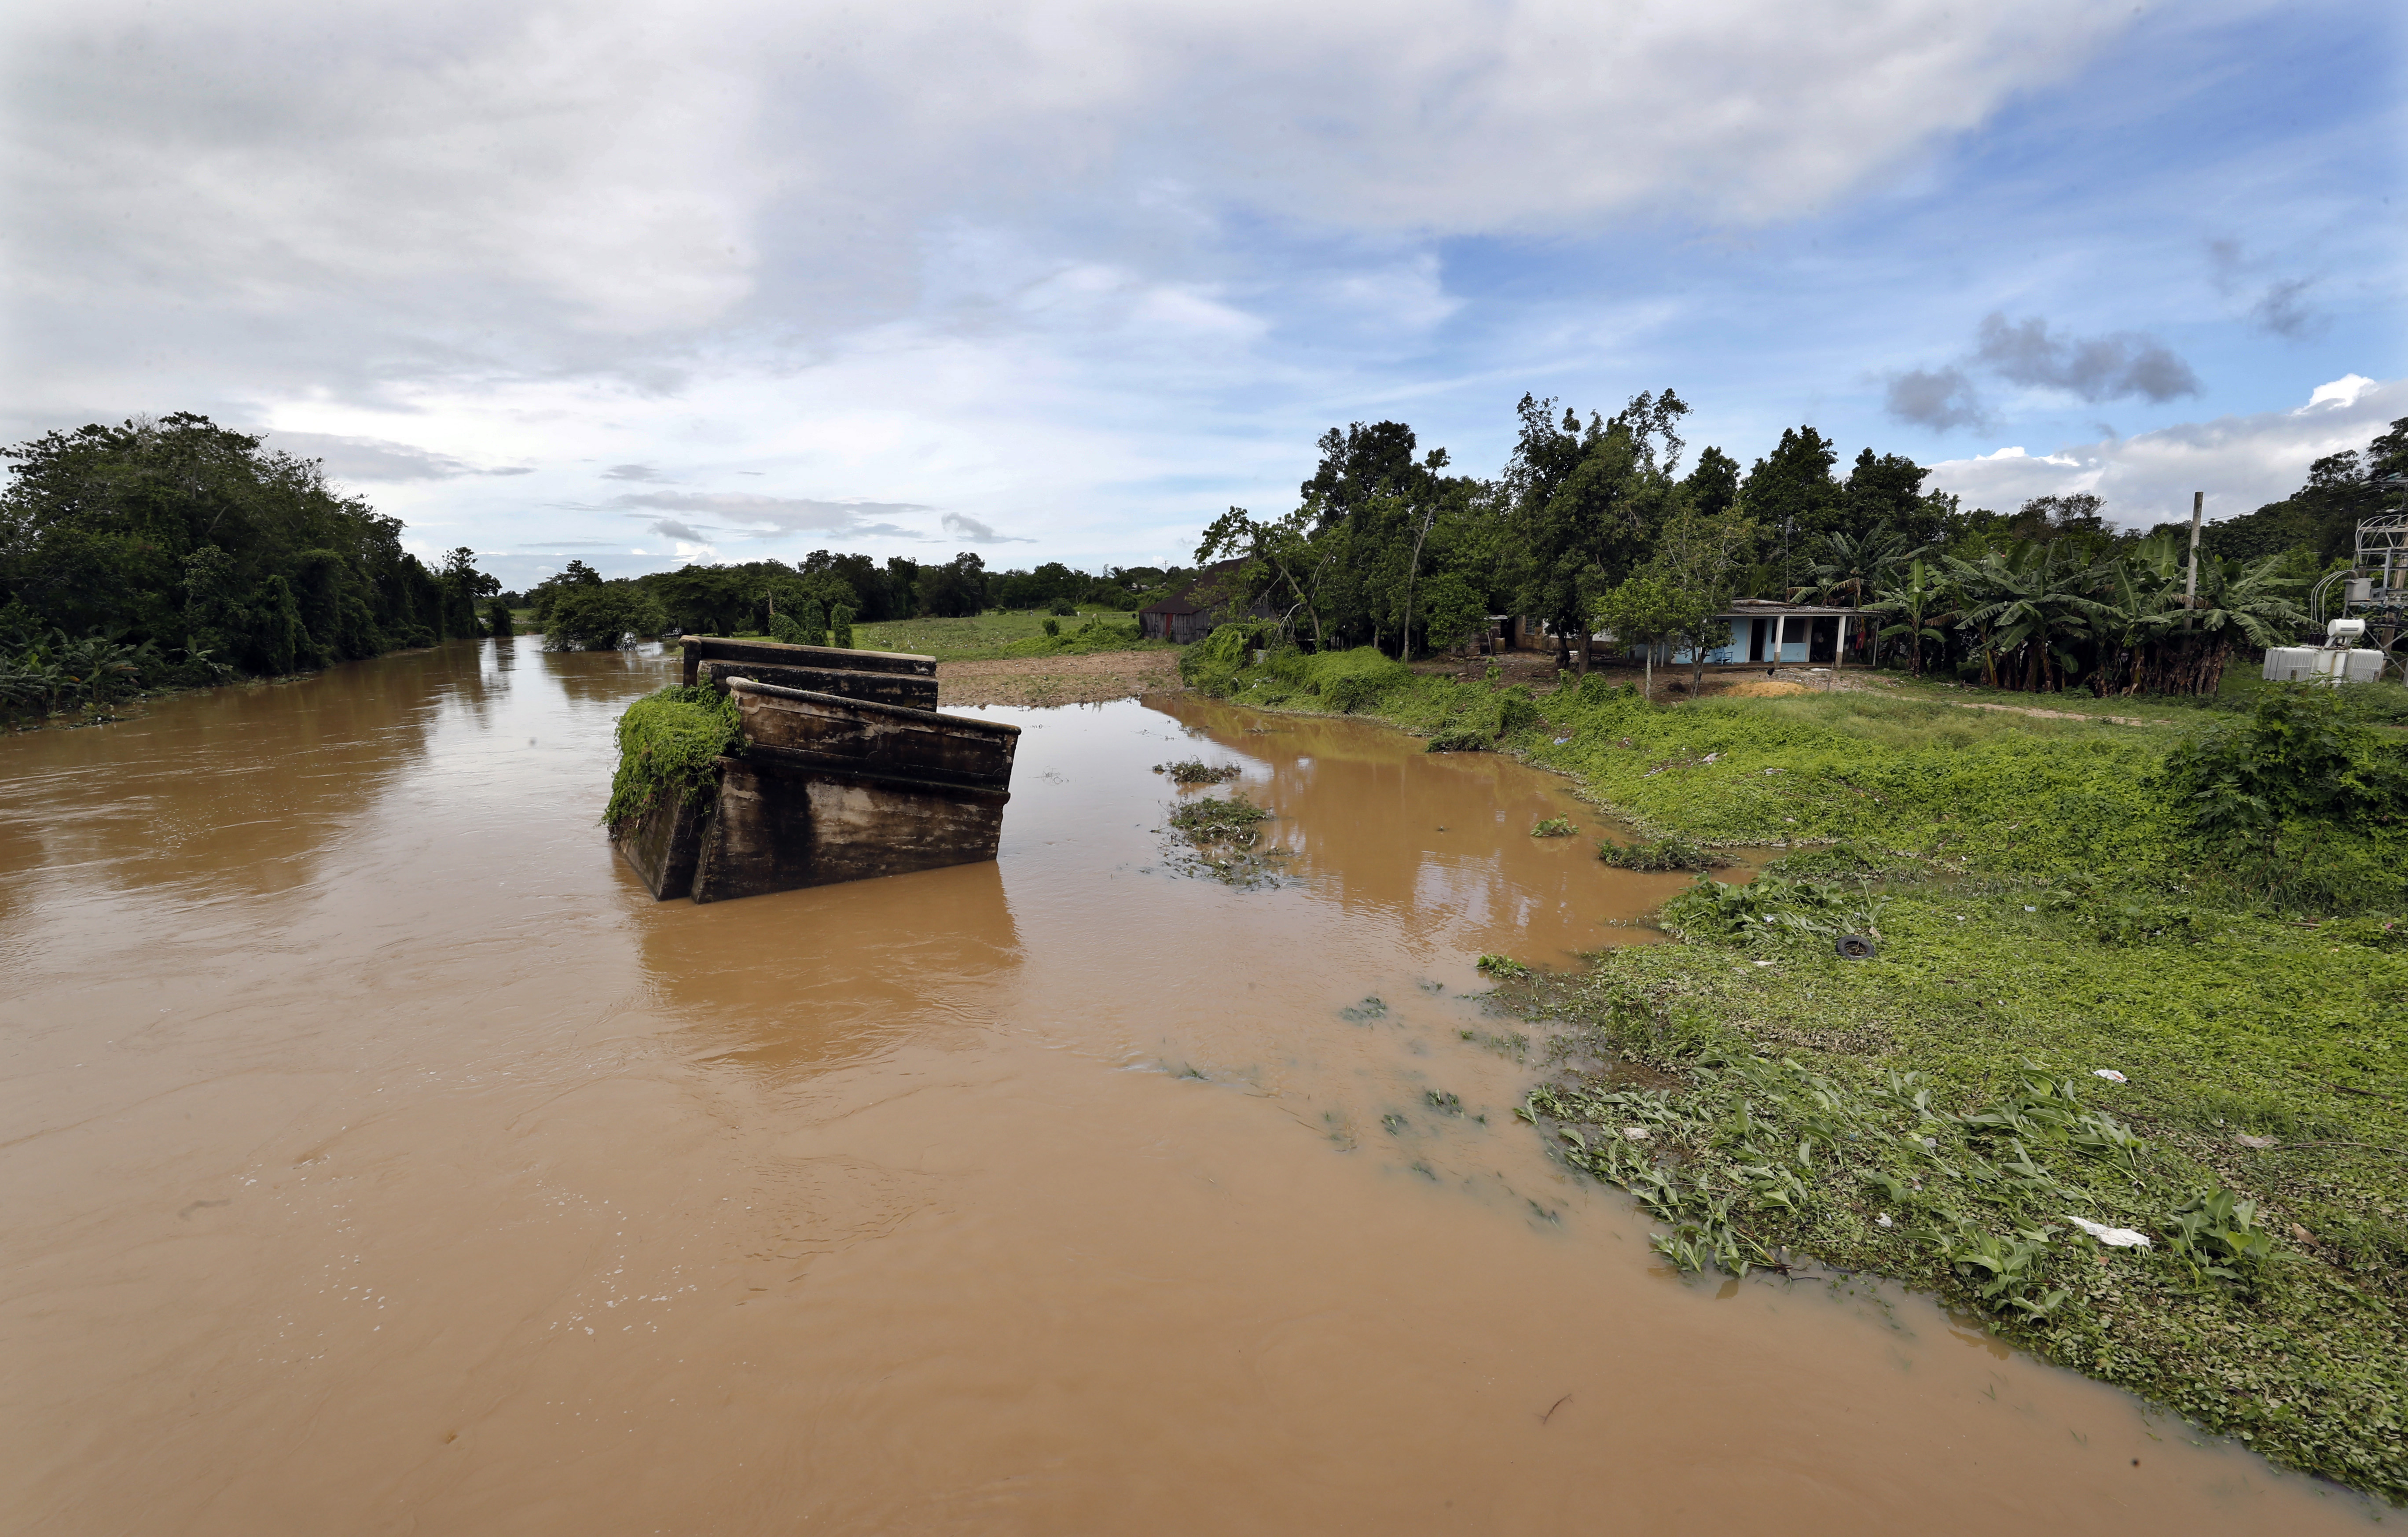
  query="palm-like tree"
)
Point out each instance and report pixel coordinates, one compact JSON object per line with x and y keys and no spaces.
{"x":27,"y":684}
{"x":2238,"y":604}
{"x":2031,"y":601}
{"x":96,"y":664}
{"x":1918,"y":604}
{"x":1849,"y":567}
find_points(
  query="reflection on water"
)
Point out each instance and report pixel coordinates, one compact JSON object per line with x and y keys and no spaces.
{"x":380,"y":1158}
{"x":831,"y":973}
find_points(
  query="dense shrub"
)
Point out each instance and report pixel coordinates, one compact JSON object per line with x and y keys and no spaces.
{"x":602,"y":617}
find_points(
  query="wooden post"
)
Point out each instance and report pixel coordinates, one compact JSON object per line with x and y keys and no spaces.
{"x":2190,"y":582}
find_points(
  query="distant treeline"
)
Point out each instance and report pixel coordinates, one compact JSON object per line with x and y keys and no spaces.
{"x":1602,"y":522}
{"x":180,"y":551}
{"x":580,"y":608}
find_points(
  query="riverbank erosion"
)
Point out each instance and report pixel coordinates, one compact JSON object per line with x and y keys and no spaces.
{"x":2123,"y":1079}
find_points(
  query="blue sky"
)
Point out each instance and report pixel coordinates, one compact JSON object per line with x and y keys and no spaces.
{"x":1062,"y":280}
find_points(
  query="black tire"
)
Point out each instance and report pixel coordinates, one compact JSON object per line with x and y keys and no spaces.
{"x":1854,"y":947}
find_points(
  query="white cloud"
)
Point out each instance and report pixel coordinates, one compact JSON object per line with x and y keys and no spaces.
{"x":378,"y":459}
{"x":964,"y":527}
{"x":754,"y":516}
{"x":2341,"y":393}
{"x":2241,"y":462}
{"x":447,"y":188}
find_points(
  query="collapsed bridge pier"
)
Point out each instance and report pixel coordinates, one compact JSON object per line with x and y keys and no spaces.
{"x":848,"y":773}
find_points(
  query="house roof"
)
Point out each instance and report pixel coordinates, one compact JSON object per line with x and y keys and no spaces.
{"x":1765,"y":608}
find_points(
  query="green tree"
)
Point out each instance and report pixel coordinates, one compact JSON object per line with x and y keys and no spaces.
{"x":1586,"y":501}
{"x":1704,"y":555}
{"x":602,"y":616}
{"x":1713,"y":485}
{"x":1282,"y":563}
{"x":181,"y":535}
{"x":1791,"y":493}
{"x":1648,"y":610}
{"x":1455,"y":611}
{"x":956,"y":590}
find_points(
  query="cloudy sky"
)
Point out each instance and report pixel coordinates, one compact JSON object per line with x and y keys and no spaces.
{"x":1062,"y":279}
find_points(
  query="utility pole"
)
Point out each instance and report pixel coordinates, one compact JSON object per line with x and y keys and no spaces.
{"x":2190,"y":582}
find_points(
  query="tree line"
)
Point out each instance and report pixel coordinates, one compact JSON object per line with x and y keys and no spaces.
{"x":177,"y":552}
{"x":580,"y":610}
{"x":1602,"y":524}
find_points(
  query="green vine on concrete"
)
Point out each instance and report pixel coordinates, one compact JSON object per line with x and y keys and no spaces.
{"x":669,"y":746}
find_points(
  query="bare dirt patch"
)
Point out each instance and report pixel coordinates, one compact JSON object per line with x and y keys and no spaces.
{"x":1092,"y":678}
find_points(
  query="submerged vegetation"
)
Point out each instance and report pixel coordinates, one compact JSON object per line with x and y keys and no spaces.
{"x":1223,"y":841}
{"x":1197,"y":771}
{"x":669,"y":745}
{"x":2120,"y":1065}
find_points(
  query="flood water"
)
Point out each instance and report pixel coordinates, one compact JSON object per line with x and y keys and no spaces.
{"x":377,"y":1158}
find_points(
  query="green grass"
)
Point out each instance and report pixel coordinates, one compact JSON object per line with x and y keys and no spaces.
{"x":1794,"y":1131}
{"x":991,"y":635}
{"x":2386,"y":703}
{"x":2041,"y":910}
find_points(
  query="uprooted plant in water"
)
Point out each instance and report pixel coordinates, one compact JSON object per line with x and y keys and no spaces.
{"x":1197,"y":771}
{"x":1223,"y":838}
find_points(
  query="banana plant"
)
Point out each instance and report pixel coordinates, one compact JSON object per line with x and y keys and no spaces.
{"x":1919,"y":604}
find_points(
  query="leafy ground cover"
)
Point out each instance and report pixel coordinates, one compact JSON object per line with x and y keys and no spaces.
{"x":2125,"y":1075}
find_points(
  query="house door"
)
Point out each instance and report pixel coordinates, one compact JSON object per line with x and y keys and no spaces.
{"x":1759,"y":635}
{"x":1824,"y":643}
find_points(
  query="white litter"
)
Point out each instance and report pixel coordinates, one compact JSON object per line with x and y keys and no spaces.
{"x":1710,"y":756}
{"x":1560,"y":740}
{"x":2109,"y":1074}
{"x":1764,"y":963}
{"x":2114,"y":1238}
{"x":1636,"y":1133}
{"x":2029,"y":908}
{"x":2247,"y":1141}
{"x":1883,"y":1221}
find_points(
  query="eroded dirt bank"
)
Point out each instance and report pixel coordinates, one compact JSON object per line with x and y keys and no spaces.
{"x":1040,"y":680}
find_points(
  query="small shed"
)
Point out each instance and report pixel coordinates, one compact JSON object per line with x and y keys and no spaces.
{"x":1767,"y":633}
{"x":1188,"y":615}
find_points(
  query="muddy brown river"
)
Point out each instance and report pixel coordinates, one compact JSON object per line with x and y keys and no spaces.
{"x":377,"y":1158}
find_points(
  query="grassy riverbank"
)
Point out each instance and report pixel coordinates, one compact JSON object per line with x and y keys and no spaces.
{"x":2044,"y":909}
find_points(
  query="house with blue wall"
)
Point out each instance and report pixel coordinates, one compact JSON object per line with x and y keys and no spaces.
{"x":1772,"y":634}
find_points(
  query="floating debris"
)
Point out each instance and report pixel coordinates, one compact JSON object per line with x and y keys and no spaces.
{"x":2114,"y":1238}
